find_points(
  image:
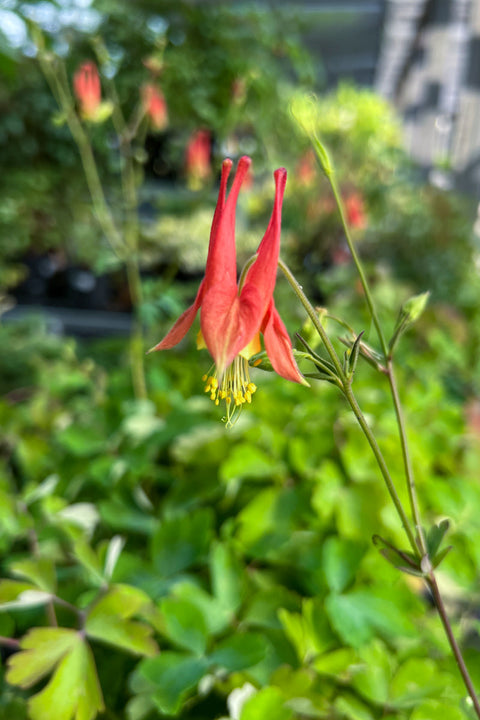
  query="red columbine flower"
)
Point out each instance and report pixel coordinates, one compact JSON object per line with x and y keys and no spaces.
{"x":355,"y":208}
{"x":197,"y":158}
{"x":231,"y":315}
{"x":86,"y":85}
{"x":155,"y":106}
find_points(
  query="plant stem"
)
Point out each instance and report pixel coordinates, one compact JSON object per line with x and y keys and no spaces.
{"x":410,"y":478}
{"x":137,"y":350}
{"x":419,"y":542}
{"x":298,"y":290}
{"x":132,"y":233}
{"x":35,"y":550}
{"x":125,"y":247}
{"x":382,"y":465}
{"x":358,"y":264}
{"x":350,"y":397}
{"x":61,"y":91}
{"x":432,"y":584}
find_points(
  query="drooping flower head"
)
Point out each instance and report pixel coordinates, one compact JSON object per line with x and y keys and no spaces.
{"x":155,"y":106}
{"x":233,"y":315}
{"x":86,"y":85}
{"x":197,"y":158}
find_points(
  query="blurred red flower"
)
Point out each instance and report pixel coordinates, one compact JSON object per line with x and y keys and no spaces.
{"x":155,"y":106}
{"x":355,"y":209}
{"x":197,"y":158}
{"x":87,"y":89}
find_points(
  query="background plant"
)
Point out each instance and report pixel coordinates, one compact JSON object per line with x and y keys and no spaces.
{"x":245,"y":558}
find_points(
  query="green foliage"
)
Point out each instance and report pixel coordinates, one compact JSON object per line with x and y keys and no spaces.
{"x":73,"y":691}
{"x":198,"y":561}
{"x":196,"y":53}
{"x":154,"y":565}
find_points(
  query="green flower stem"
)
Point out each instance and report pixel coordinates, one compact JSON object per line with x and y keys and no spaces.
{"x":137,"y":348}
{"x":132,"y":234}
{"x":60,"y":89}
{"x":409,"y":476}
{"x":416,"y":547}
{"x":349,"y":395}
{"x":35,"y":550}
{"x":358,"y":264}
{"x":420,"y":545}
{"x":298,"y":290}
{"x":412,"y":492}
{"x":432,"y":583}
{"x":125,"y":248}
{"x":382,"y":465}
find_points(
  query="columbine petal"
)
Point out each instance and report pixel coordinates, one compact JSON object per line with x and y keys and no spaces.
{"x":223,"y":331}
{"x":221,"y":268}
{"x":262,"y":275}
{"x":279,"y":347}
{"x":183,"y":324}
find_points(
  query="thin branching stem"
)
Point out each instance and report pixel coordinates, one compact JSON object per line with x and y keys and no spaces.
{"x":350,"y":397}
{"x":124,"y":244}
{"x":358,"y":264}
{"x":419,"y":542}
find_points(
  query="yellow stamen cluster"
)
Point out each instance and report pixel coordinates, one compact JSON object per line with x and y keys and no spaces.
{"x":235,"y":388}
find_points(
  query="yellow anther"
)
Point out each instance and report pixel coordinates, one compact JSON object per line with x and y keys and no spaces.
{"x":234,"y":388}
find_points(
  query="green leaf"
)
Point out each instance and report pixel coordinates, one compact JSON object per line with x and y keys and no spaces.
{"x":81,"y":440}
{"x":73,"y":692}
{"x":373,"y":673}
{"x":239,"y":652}
{"x":309,"y":632}
{"x":181,"y":541}
{"x":341,"y":559}
{"x":359,"y":616}
{"x":400,"y":559}
{"x":228,"y":583}
{"x":248,"y":461}
{"x":41,"y":649}
{"x":87,"y":557}
{"x":348,"y":706}
{"x":415,"y":680}
{"x":437,"y":710}
{"x":215,"y":616}
{"x":409,"y":314}
{"x":267,"y":703}
{"x":296,"y":631}
{"x":184,"y":625}
{"x":142,"y":421}
{"x":337,"y":664}
{"x":139,"y":707}
{"x":435,"y":537}
{"x":40,"y":571}
{"x":108,"y":620}
{"x":171,"y":677}
{"x":19,"y":595}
